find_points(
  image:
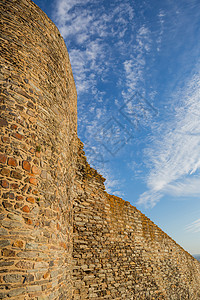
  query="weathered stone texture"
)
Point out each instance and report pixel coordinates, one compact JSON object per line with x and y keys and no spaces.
{"x":118,"y":253}
{"x":37,"y":155}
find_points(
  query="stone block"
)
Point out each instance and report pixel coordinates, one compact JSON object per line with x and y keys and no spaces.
{"x":10,"y":224}
{"x":34,"y":288}
{"x":15,"y":217}
{"x":16,"y":292}
{"x":18,"y":244}
{"x":13,"y":278}
{"x":3,"y":158}
{"x":26,"y":209}
{"x":26,"y":166}
{"x":16,"y":175}
{"x":12,"y":162}
{"x":4,"y":184}
{"x":4,"y":243}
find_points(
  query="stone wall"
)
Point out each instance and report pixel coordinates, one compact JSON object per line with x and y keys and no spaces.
{"x":47,"y":188}
{"x":119,"y":253}
{"x":37,"y":155}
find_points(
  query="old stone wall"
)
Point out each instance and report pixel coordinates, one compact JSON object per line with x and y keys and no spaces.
{"x":119,"y":253}
{"x":48,"y":189}
{"x":37,"y":155}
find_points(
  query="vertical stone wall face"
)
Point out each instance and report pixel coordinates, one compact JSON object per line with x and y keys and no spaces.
{"x":120,"y":254}
{"x":47,"y":184}
{"x":37,"y":155}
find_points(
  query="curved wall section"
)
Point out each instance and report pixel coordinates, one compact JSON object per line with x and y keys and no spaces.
{"x":37,"y":155}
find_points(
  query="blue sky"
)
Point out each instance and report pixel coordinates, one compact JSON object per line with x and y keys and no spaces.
{"x":136,"y":68}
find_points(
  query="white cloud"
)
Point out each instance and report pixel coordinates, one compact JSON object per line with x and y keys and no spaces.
{"x":134,"y":67}
{"x":161,"y":17}
{"x":143,"y":39}
{"x":174,"y":155}
{"x":104,"y":44}
{"x":77,"y":58}
{"x":194,"y":226}
{"x":65,"y":14}
{"x":189,"y":187}
{"x":150,"y":198}
{"x":80,"y":27}
{"x":91,"y":33}
{"x":94,"y":35}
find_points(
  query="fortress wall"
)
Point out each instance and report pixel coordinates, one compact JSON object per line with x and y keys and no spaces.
{"x":37,"y":155}
{"x":47,"y":184}
{"x":119,"y":253}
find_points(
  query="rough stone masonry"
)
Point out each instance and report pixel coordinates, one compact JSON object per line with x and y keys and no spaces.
{"x":62,"y":236}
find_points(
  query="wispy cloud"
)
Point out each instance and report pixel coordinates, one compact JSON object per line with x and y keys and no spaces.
{"x":161,"y":17}
{"x":108,"y":49}
{"x":174,"y":156}
{"x":91,"y":32}
{"x":188,"y":187}
{"x":194,"y":226}
{"x":135,"y":66}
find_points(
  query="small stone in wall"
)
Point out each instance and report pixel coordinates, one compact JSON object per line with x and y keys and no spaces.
{"x":18,"y":244}
{"x":8,"y":252}
{"x":13,"y":278}
{"x":36,"y":170}
{"x":12,"y":162}
{"x":5,"y":172}
{"x":31,"y":199}
{"x":26,"y":165}
{"x":3,"y":158}
{"x":26,"y":209}
{"x":33,"y":181}
{"x":5,"y":184}
{"x":16,"y":175}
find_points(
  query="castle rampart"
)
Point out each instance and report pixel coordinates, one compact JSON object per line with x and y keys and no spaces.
{"x":61,"y":235}
{"x":121,"y":254}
